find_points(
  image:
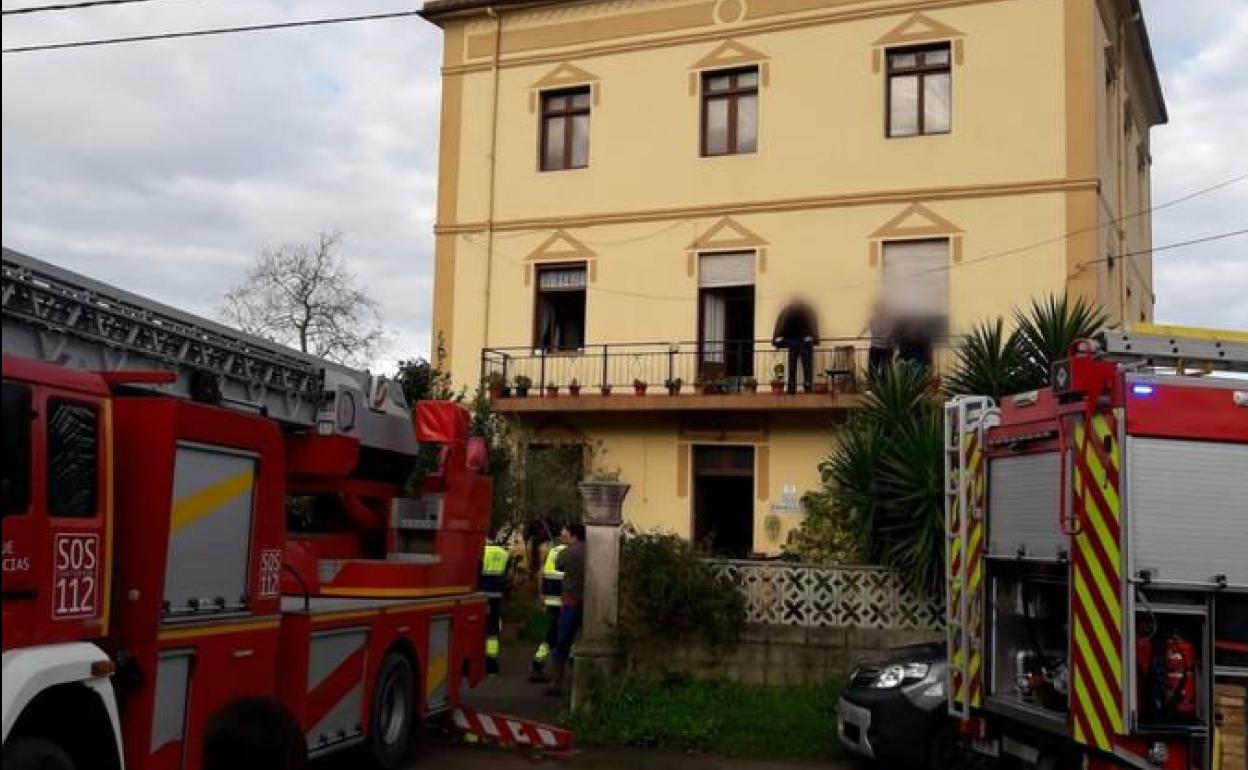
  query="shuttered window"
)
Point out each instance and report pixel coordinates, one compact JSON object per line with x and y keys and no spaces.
{"x":916,"y":278}
{"x":561,"y":278}
{"x":729,"y":269}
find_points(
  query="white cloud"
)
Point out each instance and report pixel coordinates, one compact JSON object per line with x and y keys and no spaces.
{"x":1202,"y":53}
{"x":163,"y":167}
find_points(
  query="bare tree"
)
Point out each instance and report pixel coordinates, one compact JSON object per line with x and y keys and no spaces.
{"x":305,"y":296}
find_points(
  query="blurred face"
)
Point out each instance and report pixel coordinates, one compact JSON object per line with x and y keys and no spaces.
{"x":565,"y":536}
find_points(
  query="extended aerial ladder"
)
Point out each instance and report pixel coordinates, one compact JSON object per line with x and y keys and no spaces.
{"x":55,"y":315}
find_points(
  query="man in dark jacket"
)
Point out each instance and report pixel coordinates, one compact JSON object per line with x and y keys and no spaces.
{"x":797,"y":331}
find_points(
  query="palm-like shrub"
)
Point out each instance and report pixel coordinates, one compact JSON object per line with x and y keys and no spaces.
{"x":883,"y":481}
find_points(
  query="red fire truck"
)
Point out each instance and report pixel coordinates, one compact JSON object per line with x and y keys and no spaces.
{"x":1097,"y":570}
{"x":192,"y":515}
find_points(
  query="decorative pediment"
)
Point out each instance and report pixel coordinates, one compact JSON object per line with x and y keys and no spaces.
{"x":561,"y":247}
{"x":726,"y":234}
{"x":918,"y":28}
{"x":729,"y":54}
{"x":916,"y":221}
{"x":564,"y":75}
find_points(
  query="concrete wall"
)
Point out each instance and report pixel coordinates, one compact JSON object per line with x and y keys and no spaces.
{"x":781,"y":655}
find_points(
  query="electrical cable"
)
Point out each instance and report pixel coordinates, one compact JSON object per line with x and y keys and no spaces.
{"x":208,"y":32}
{"x":67,"y":6}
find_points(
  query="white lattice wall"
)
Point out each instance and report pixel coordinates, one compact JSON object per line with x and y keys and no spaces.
{"x":779,"y":593}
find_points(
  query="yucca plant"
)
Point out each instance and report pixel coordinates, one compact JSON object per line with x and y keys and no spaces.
{"x":883,"y":482}
{"x":1046,"y":332}
{"x":989,"y":362}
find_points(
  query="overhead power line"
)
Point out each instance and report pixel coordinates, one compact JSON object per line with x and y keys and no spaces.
{"x":207,"y":32}
{"x":67,"y":6}
{"x":1168,"y":246}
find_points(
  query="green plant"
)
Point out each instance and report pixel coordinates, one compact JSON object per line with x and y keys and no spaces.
{"x":668,"y":592}
{"x":674,"y":383}
{"x":522,"y":382}
{"x":777,"y":373}
{"x":729,"y":718}
{"x":750,"y":382}
{"x":1047,"y":330}
{"x":882,"y":492}
{"x":640,"y":383}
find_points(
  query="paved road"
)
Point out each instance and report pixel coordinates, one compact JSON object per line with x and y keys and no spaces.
{"x":449,"y":757}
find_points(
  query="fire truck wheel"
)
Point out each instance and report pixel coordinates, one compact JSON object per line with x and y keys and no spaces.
{"x":31,"y":753}
{"x":394,"y":711}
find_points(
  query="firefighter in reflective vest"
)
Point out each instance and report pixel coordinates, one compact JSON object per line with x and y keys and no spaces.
{"x":552,"y":598}
{"x":494,"y":563}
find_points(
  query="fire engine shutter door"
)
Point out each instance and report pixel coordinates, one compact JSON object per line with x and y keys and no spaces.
{"x":1188,"y":509}
{"x":173,"y":672}
{"x":209,"y":531}
{"x":1022,"y":507}
{"x":336,"y":686}
{"x":437,"y":675}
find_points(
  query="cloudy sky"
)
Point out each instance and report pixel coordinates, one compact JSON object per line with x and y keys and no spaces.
{"x":163,"y":167}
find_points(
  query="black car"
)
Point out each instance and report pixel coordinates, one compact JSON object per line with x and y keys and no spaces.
{"x":895,"y":710}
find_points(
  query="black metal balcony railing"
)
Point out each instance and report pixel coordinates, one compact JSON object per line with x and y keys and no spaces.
{"x":729,"y":367}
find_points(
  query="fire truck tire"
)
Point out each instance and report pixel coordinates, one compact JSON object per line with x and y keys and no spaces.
{"x":33,"y":753}
{"x":393,"y":718}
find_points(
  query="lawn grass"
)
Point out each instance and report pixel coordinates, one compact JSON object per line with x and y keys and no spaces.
{"x":717,"y":716}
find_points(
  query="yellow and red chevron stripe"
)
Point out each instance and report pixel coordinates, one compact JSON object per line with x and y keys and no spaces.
{"x":967,"y":575}
{"x":1096,"y":581}
{"x":975,"y":567}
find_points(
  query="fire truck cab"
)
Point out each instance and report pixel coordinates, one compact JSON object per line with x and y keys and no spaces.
{"x":1097,"y":565}
{"x":179,"y":536}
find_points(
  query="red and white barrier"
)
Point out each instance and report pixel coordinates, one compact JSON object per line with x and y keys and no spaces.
{"x":511,"y":731}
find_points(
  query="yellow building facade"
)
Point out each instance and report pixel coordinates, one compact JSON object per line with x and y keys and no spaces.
{"x":630,"y":190}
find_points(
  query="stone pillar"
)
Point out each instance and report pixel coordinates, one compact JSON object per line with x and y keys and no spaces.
{"x":604,"y":508}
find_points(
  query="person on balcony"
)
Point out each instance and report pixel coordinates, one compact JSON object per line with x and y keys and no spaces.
{"x":797,"y":332}
{"x":880,"y":330}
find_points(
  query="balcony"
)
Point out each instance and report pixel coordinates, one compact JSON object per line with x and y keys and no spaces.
{"x":680,"y":376}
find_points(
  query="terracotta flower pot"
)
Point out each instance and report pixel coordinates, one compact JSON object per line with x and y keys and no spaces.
{"x":777,"y":387}
{"x":639,"y":390}
{"x":551,"y":392}
{"x":574,"y":390}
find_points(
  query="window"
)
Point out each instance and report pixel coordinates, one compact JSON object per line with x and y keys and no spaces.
{"x":916,"y":281}
{"x":73,"y":459}
{"x":726,"y":308}
{"x":560,"y":307}
{"x":565,"y":129}
{"x":730,"y":111}
{"x":919,"y":91}
{"x":17,"y":417}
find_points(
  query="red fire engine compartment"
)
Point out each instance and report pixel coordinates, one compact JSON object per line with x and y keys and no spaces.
{"x":191,"y":475}
{"x":1099,"y":583}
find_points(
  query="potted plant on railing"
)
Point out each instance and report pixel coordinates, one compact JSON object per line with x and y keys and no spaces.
{"x":750,"y":384}
{"x":639,"y":386}
{"x":523,"y":384}
{"x":574,"y":387}
{"x":552,"y":390}
{"x":673,"y":386}
{"x":777,"y":380}
{"x":496,"y":383}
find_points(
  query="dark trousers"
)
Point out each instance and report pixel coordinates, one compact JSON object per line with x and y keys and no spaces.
{"x":878,"y":358}
{"x":803,"y":353}
{"x":569,"y":625}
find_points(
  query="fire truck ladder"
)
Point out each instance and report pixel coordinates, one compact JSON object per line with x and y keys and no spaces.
{"x":966,"y":418}
{"x":1184,"y":348}
{"x":52,"y":314}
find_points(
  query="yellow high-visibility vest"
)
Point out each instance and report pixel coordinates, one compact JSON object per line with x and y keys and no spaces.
{"x":552,"y":578}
